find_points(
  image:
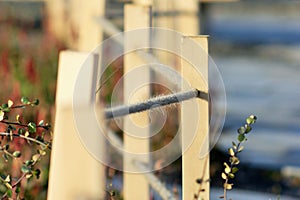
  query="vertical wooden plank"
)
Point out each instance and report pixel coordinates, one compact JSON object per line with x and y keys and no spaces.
{"x":187,"y":22}
{"x":178,"y":15}
{"x":135,"y":185}
{"x":56,"y":14}
{"x":195,"y":167}
{"x":74,"y":22}
{"x":74,"y":173}
{"x":89,"y":32}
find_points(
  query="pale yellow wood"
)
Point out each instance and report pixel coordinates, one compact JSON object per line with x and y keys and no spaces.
{"x":188,"y":22}
{"x":56,"y":11}
{"x":74,"y":173}
{"x":143,"y":2}
{"x":195,"y":120}
{"x":135,"y":185}
{"x":217,"y":1}
{"x":74,"y":22}
{"x":177,"y":15}
{"x":89,"y":32}
{"x":185,"y":18}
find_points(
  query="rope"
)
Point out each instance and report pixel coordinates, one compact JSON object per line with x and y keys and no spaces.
{"x":155,"y":102}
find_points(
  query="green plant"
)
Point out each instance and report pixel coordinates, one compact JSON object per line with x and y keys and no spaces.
{"x":15,"y":134}
{"x":230,"y":168}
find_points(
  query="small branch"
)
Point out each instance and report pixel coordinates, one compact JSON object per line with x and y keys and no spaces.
{"x":107,"y":79}
{"x":22,"y":125}
{"x":201,"y":180}
{"x":123,"y":110}
{"x":19,"y":180}
{"x":26,"y":138}
{"x":19,"y":106}
{"x":14,"y":185}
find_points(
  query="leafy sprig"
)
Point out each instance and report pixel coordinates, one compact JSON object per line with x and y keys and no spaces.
{"x":230,"y":168}
{"x":28,"y":132}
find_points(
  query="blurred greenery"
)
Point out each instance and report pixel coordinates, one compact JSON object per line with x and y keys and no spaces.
{"x":28,"y":67}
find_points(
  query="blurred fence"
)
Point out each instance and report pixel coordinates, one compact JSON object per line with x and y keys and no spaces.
{"x":74,"y":173}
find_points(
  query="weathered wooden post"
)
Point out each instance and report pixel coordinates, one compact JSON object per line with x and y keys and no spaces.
{"x":178,"y":15}
{"x":74,"y":22}
{"x":195,"y":139}
{"x":74,"y":173}
{"x":135,"y":185}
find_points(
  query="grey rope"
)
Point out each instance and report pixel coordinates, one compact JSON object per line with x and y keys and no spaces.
{"x":155,"y":102}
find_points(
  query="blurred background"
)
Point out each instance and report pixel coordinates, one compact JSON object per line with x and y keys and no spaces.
{"x":256,"y":46}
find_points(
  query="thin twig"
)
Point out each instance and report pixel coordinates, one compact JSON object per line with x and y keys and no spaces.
{"x":26,"y":138}
{"x":22,"y":125}
{"x":19,"y":179}
{"x":202,"y":181}
{"x":107,"y":79}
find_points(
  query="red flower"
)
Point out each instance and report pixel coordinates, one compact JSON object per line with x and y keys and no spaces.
{"x":30,"y":70}
{"x":4,"y":63}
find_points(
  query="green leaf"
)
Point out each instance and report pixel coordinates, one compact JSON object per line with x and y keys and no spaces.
{"x":251,"y":119}
{"x":31,"y":127}
{"x":234,"y":170}
{"x":5,"y":157}
{"x":224,"y":176}
{"x":36,"y":157}
{"x":227,"y":168}
{"x":28,"y":176}
{"x":42,"y":152}
{"x":231,"y":175}
{"x":234,"y":160}
{"x":36,"y":173}
{"x":231,"y":152}
{"x":248,"y":128}
{"x":25,"y":169}
{"x":21,"y":131}
{"x":26,"y":134}
{"x":47,"y":126}
{"x":25,"y":100}
{"x":241,"y":149}
{"x":234,"y":145}
{"x":226,"y":165}
{"x":5,"y":107}
{"x":18,"y":189}
{"x":41,"y":123}
{"x":28,"y":162}
{"x":228,"y":186}
{"x":9,"y":192}
{"x":10,"y":103}
{"x":17,"y":154}
{"x":18,"y":119}
{"x":2,"y":114}
{"x":35,"y":102}
{"x":7,"y":179}
{"x":241,"y":137}
{"x":241,"y":130}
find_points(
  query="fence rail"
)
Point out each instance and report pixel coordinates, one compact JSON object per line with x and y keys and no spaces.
{"x":154,"y":103}
{"x":193,"y":167}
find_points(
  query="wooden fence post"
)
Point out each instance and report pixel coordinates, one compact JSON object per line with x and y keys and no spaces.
{"x":178,"y":15}
{"x":194,"y":167}
{"x":74,"y":22}
{"x":135,"y":185}
{"x":74,"y":173}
